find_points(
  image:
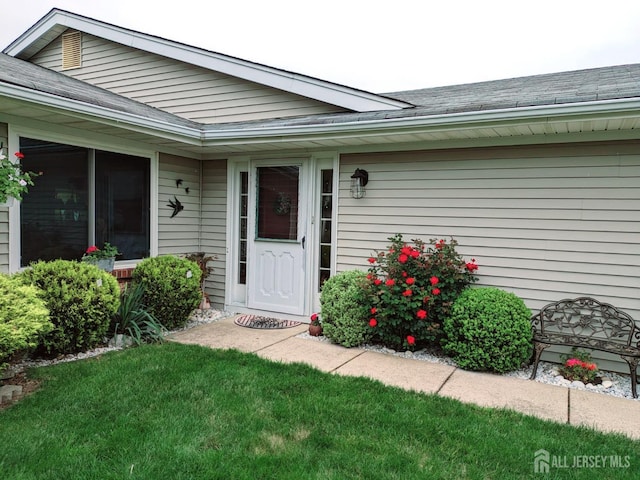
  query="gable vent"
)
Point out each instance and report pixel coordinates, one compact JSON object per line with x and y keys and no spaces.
{"x":71,"y":50}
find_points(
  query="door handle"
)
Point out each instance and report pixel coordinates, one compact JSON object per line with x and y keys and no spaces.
{"x":303,"y":240}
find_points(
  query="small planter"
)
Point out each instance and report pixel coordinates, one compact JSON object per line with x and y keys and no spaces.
{"x":105,"y":264}
{"x":315,"y":330}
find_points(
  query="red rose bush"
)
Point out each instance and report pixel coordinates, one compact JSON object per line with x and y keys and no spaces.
{"x":410,"y":289}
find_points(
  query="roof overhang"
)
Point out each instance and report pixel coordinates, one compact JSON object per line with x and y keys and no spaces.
{"x":57,"y":21}
{"x":615,"y":118}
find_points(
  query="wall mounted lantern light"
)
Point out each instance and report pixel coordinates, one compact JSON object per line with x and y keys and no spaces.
{"x":358,"y":181}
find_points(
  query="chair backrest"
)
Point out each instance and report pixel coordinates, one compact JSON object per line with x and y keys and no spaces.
{"x":587,"y":317}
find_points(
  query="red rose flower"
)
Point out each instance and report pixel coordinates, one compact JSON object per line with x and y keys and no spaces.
{"x":19,"y":155}
{"x":422,"y":314}
{"x":369,"y":276}
{"x":372,"y":260}
{"x":314,"y":317}
{"x":390,"y":282}
{"x":406,"y":250}
{"x":436,"y":291}
{"x":415,"y":253}
{"x":410,"y":281}
{"x":402,"y":258}
{"x":434,"y":280}
{"x":373,"y":322}
{"x":374,"y":310}
{"x":440,"y":244}
{"x":472,"y":267}
{"x":377,"y":281}
{"x":92,"y":249}
{"x":404,"y":274}
{"x":411,"y":340}
{"x":407,"y":293}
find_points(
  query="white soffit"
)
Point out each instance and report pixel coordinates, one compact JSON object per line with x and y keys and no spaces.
{"x":56,"y":21}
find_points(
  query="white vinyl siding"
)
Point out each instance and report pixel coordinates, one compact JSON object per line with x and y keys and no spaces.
{"x":4,"y":211}
{"x":546,"y":222}
{"x":186,"y":90}
{"x":214,"y":214}
{"x":4,"y":240}
{"x":180,"y":234}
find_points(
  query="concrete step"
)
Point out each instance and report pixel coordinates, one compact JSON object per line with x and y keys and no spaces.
{"x":9,"y":392}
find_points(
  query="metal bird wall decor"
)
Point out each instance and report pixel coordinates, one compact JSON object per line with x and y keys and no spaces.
{"x":176,"y":205}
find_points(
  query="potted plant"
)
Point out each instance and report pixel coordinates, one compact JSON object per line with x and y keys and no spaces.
{"x":13,"y":181}
{"x":315,"y":327}
{"x":103,"y":258}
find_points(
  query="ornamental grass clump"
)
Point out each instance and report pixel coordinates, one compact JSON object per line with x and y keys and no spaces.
{"x":578,"y":366}
{"x":411,"y":288}
{"x":488,"y":330}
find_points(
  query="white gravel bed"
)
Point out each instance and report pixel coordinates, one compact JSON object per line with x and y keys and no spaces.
{"x":198,"y":317}
{"x":612,"y":383}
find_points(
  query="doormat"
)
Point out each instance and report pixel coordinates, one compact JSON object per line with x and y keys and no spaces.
{"x":256,"y":321}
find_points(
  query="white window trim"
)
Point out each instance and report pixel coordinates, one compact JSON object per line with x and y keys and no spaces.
{"x":14,"y":134}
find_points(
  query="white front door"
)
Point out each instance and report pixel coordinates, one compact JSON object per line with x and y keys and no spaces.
{"x":276,"y":268}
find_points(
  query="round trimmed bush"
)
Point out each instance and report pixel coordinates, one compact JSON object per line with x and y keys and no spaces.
{"x":81,"y":300}
{"x":171,"y":288}
{"x":488,"y":330}
{"x":23,"y":318}
{"x":344,"y":309}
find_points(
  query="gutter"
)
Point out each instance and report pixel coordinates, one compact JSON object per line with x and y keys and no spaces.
{"x":209,"y":135}
{"x":465,"y":120}
{"x":104,"y":115}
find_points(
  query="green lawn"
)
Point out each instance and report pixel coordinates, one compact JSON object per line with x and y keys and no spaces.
{"x":186,"y":412}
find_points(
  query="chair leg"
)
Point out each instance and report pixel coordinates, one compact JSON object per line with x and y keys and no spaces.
{"x":538,"y":348}
{"x":633,"y":367}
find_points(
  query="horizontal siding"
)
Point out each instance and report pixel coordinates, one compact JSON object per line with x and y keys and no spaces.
{"x":546,"y":222}
{"x":4,"y":212}
{"x":177,"y":87}
{"x":4,"y":240}
{"x":214,"y":217}
{"x":180,"y":234}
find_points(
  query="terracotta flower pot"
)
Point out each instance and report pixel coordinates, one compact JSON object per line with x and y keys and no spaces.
{"x":315,"y":330}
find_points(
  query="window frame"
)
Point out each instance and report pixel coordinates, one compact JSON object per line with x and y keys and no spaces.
{"x":15,"y":132}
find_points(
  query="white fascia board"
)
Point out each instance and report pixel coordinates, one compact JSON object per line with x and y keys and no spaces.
{"x":455,"y":121}
{"x":103,"y":115}
{"x":334,"y":94}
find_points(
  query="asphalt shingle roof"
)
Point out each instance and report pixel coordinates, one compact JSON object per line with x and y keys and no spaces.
{"x":587,"y":85}
{"x":597,"y":84}
{"x":31,"y":76}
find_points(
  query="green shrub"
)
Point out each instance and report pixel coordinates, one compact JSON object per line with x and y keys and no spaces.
{"x":488,"y":330}
{"x":411,"y":288}
{"x":344,"y":309}
{"x":23,"y":318}
{"x":171,"y":288}
{"x":81,"y":300}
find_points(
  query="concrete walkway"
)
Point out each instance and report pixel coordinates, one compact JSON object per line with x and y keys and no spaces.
{"x":551,"y":402}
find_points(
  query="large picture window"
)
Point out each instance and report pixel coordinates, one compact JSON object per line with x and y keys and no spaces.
{"x":83,"y":197}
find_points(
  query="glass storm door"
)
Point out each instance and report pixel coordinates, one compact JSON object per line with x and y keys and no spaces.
{"x":276,"y":270}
